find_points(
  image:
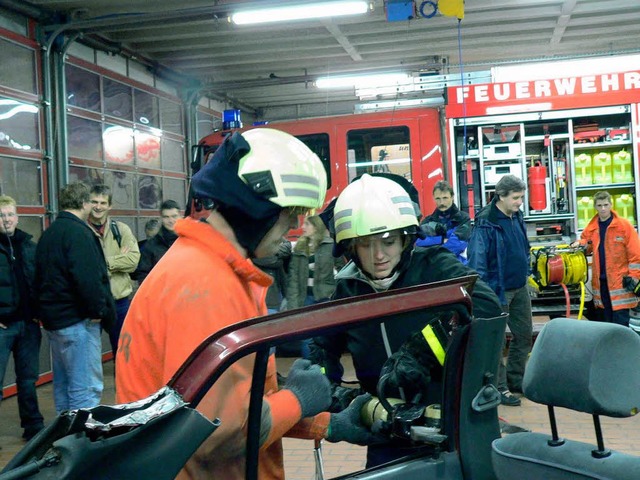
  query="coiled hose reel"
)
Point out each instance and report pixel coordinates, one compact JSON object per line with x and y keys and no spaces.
{"x":561,"y":265}
{"x":557,"y":265}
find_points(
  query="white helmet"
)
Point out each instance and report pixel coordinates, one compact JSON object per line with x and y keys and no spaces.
{"x":298,"y":178}
{"x":373,"y":205}
{"x":254,"y":175}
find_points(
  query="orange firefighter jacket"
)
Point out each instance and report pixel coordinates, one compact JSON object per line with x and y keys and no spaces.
{"x":622,"y":256}
{"x":201,"y":285}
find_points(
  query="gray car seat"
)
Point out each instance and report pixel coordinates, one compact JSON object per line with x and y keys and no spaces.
{"x":588,"y":367}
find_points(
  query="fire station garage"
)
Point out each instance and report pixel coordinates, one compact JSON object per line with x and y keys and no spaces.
{"x":137,"y":94}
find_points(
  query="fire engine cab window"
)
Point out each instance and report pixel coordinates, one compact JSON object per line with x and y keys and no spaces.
{"x":378,"y":150}
{"x":319,"y":144}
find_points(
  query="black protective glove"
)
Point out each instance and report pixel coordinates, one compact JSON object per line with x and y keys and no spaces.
{"x":347,"y":425}
{"x":631,"y":285}
{"x":402,"y":370}
{"x":414,"y":365}
{"x":311,"y":387}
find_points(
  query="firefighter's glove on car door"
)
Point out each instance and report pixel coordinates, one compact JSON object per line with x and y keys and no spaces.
{"x":312,"y":388}
{"x":347,"y":425}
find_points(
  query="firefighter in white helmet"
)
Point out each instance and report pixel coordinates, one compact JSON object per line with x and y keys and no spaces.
{"x":376,"y":224}
{"x":254,"y":188}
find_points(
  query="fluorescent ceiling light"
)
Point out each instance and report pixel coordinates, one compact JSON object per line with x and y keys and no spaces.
{"x":431,"y":84}
{"x":359,"y":81}
{"x":388,"y":104}
{"x":299,"y":12}
{"x":566,"y":68}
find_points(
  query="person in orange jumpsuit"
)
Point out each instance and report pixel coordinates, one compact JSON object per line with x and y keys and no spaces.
{"x":616,"y":255}
{"x":254,"y":188}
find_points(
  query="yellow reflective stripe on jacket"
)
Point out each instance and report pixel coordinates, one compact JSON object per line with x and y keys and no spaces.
{"x":435,"y":345}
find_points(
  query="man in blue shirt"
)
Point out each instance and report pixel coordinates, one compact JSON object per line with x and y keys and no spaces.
{"x":499,"y":251}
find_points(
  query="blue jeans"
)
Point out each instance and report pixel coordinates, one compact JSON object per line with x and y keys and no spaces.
{"x":122,"y":307}
{"x":76,"y":354}
{"x":23,"y":339}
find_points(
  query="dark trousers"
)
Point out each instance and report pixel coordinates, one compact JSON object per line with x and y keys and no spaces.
{"x":122,"y":307}
{"x":520,"y":324}
{"x":621,"y":317}
{"x":23,"y":340}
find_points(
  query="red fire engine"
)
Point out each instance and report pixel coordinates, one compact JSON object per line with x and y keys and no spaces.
{"x":405,"y":142}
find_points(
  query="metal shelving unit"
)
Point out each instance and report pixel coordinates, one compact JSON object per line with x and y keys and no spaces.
{"x":552,"y":143}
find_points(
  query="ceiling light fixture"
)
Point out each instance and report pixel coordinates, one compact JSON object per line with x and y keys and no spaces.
{"x":359,"y":81}
{"x":565,"y":68}
{"x":299,"y":12}
{"x":393,"y":104}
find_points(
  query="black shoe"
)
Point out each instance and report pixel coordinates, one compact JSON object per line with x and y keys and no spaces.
{"x":31,"y":432}
{"x":508,"y":399}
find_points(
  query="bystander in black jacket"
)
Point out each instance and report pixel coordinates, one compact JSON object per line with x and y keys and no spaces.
{"x":71,"y":275}
{"x":17,"y":274}
{"x":153,"y":251}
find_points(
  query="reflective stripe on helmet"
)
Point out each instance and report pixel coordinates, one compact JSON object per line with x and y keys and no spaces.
{"x":408,"y":210}
{"x":300,"y":186}
{"x":299,"y":178}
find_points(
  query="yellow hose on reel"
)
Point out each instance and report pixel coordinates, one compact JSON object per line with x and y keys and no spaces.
{"x":581,"y":301}
{"x":560,"y":265}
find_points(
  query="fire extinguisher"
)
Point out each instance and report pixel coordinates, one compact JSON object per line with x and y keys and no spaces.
{"x":537,"y":187}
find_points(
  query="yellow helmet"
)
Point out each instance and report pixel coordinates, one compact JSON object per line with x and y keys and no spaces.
{"x":373,"y":205}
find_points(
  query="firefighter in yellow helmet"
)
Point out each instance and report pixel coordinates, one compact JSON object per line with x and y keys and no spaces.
{"x":254,"y":188}
{"x":376,"y":224}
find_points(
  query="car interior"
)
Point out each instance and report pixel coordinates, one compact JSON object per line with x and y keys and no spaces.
{"x":584,"y":366}
{"x":589,"y":367}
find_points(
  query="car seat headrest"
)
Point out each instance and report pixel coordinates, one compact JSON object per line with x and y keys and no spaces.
{"x":586,"y":366}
